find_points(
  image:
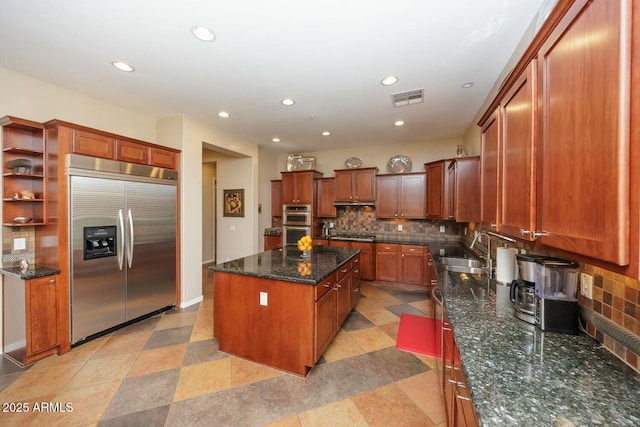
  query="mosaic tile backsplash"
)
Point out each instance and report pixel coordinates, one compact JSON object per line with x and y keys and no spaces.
{"x":11,"y":257}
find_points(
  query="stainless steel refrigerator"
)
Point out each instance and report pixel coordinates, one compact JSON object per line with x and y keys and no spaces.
{"x":123,"y":243}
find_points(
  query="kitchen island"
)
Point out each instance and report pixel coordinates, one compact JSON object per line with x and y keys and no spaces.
{"x":282,"y":310}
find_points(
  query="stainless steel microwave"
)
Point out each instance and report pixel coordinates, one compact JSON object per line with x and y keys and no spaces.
{"x":299,"y":215}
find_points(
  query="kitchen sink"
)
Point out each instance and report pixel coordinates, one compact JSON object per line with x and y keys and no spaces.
{"x":463,"y":265}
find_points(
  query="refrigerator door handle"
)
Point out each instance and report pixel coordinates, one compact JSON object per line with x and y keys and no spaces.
{"x":131,"y":242}
{"x":121,"y":246}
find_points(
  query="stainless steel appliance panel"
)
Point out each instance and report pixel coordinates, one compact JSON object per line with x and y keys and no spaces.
{"x":291,"y":234}
{"x":151,"y":253}
{"x":98,"y":286}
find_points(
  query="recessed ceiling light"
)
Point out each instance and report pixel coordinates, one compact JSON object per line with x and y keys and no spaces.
{"x":123,"y":66}
{"x":203,"y":33}
{"x":276,"y":139}
{"x":467,"y":85}
{"x":223,"y":114}
{"x":288,"y":102}
{"x":326,"y":133}
{"x":390,"y":80}
{"x":399,"y":123}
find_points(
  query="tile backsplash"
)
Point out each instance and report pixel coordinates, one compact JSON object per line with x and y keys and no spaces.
{"x":12,"y":257}
{"x":363,"y":219}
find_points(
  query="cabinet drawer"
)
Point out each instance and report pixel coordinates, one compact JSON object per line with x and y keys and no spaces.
{"x":387,"y":247}
{"x":412,"y":249}
{"x":344,"y":270}
{"x":325,"y":286}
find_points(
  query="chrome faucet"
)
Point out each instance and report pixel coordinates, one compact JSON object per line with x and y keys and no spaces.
{"x":488,"y":261}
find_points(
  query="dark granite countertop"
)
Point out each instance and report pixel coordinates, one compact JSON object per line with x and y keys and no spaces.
{"x":519,"y":375}
{"x":287,"y":264}
{"x":33,"y":272}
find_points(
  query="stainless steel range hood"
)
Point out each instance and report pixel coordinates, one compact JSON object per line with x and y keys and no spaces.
{"x":354,"y":203}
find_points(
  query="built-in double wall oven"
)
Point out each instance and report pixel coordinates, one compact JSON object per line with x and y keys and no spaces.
{"x":296,"y":222}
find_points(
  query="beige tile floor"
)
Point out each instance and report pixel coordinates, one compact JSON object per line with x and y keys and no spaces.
{"x":167,"y":370}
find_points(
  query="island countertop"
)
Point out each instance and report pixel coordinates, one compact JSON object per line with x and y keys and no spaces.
{"x":287,"y":264}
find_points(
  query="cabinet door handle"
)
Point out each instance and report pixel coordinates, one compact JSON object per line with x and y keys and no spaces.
{"x":539,"y":234}
{"x":327,"y":285}
{"x":344,"y":270}
{"x":52,"y":281}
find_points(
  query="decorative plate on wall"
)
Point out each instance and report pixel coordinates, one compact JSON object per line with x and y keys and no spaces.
{"x":399,"y":164}
{"x":353,"y":162}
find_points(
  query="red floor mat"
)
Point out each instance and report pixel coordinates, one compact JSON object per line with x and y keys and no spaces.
{"x":419,"y":334}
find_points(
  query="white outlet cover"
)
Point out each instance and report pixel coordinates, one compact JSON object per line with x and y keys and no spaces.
{"x":442,"y":229}
{"x":399,"y":227}
{"x":19,"y":244}
{"x":264,"y":299}
{"x":586,"y":285}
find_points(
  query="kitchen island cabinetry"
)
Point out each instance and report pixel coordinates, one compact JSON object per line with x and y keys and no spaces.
{"x":400,"y":196}
{"x":437,"y":189}
{"x":22,"y":141}
{"x":299,"y":188}
{"x":356,"y":185}
{"x":30,"y":317}
{"x":326,"y":197}
{"x":278,"y":309}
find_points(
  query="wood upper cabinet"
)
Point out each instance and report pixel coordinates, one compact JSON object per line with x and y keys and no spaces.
{"x":400,"y":196}
{"x":276,"y":197}
{"x":128,"y":151}
{"x":490,"y":145}
{"x":517,"y":181}
{"x":356,"y":185}
{"x":464,"y":179}
{"x":94,"y":145}
{"x":583,"y":179}
{"x":437,"y":189}
{"x":163,"y":158}
{"x":299,"y":187}
{"x":326,"y":197}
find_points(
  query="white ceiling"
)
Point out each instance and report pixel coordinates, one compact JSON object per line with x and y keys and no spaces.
{"x":328,"y":55}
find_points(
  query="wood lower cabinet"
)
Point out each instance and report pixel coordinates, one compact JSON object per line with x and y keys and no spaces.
{"x":387,"y":262}
{"x":402,"y":264}
{"x":459,"y":410}
{"x":326,"y":197}
{"x":412,"y":264}
{"x":356,"y":185}
{"x":30,"y":310}
{"x":367,"y":256}
{"x":272,"y":242}
{"x":326,"y":319}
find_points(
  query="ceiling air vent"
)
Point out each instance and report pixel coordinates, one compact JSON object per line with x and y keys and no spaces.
{"x":407,"y":98}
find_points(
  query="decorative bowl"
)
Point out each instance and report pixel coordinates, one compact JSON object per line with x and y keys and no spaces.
{"x":352,"y":162}
{"x":399,"y":164}
{"x":22,"y":220}
{"x":20,"y":165}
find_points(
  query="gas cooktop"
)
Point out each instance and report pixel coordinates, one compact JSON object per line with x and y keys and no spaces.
{"x":354,"y":237}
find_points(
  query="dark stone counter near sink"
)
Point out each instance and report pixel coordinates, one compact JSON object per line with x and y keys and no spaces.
{"x":519,"y":375}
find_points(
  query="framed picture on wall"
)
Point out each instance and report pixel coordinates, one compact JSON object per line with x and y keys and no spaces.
{"x":233,"y":202}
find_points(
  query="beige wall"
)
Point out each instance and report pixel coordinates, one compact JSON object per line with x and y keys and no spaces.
{"x":379,"y":155}
{"x":208,"y":212}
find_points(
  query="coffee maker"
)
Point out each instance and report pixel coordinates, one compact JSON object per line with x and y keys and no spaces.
{"x":522,"y":289}
{"x":556,"y":303}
